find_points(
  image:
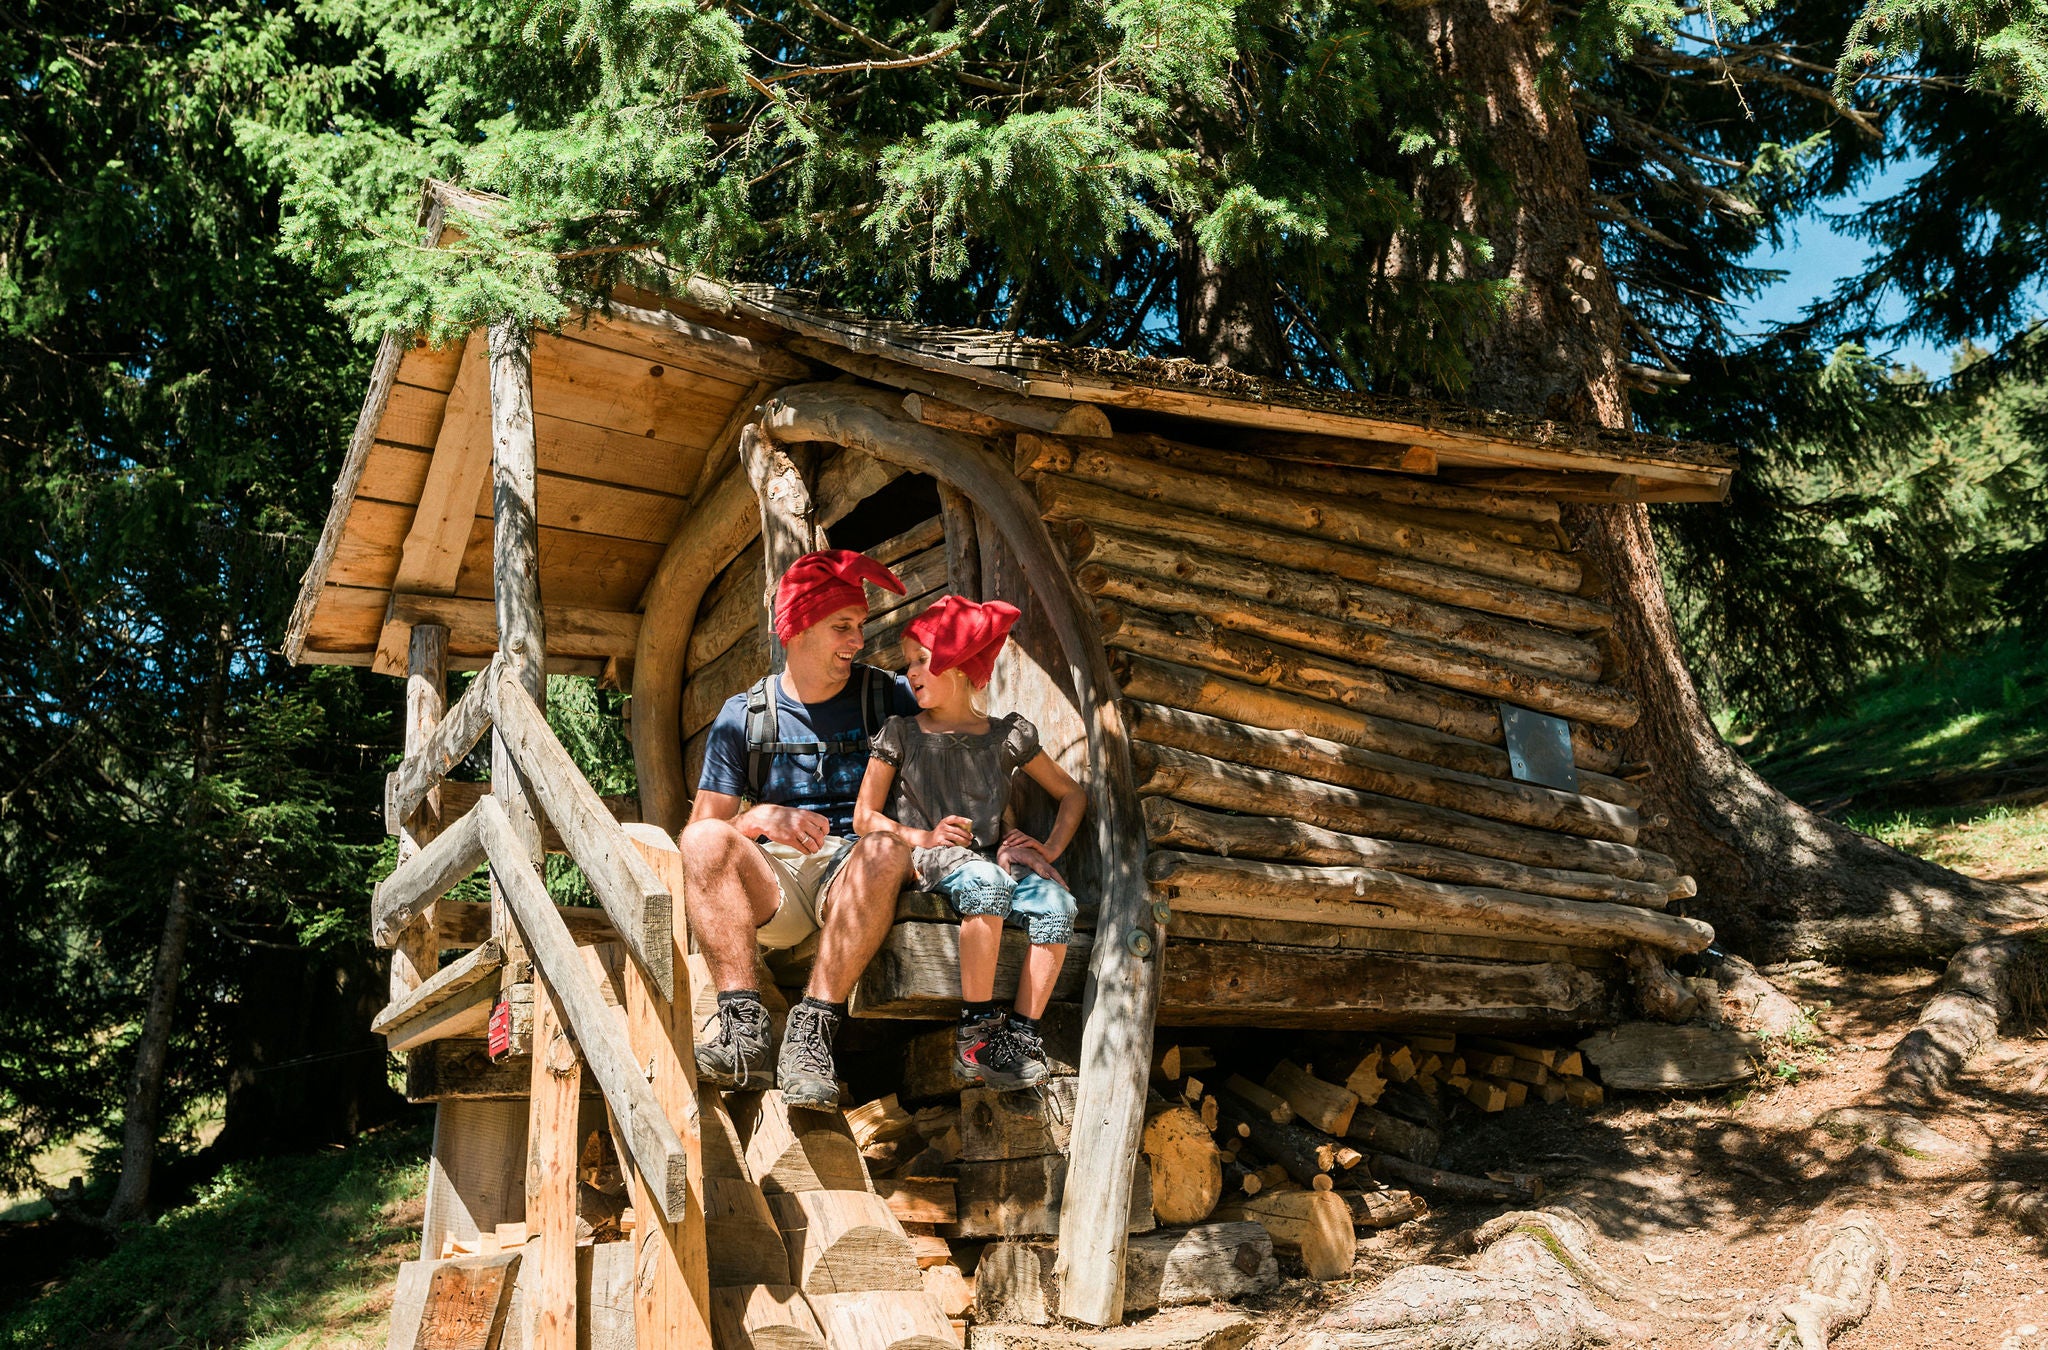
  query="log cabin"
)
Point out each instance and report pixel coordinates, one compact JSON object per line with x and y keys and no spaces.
{"x":1340,"y":689}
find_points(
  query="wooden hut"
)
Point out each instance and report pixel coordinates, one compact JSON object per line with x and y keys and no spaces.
{"x":1334,"y":676}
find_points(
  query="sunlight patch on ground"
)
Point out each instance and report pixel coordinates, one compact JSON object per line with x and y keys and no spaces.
{"x":1998,"y":843}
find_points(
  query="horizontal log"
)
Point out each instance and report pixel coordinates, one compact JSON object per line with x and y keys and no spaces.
{"x":1216,"y":1262}
{"x":1202,"y":691}
{"x":1348,"y":766}
{"x":1224,"y":786}
{"x":1398,"y":941}
{"x":1041,"y":414}
{"x":424,"y":878}
{"x":451,"y":986}
{"x":462,"y":1070}
{"x":1217,"y":984}
{"x":1066,"y":499}
{"x":1319,"y":593}
{"x":573,"y":630}
{"x":640,"y":907}
{"x":651,"y":1141}
{"x":461,"y":727}
{"x":1317,"y":514}
{"x":1174,"y":637}
{"x":465,"y":923}
{"x":917,"y":971}
{"x":1175,"y":824}
{"x":1370,"y":898}
{"x":1306,"y":1153}
{"x":457,"y":799}
{"x":1369,"y":645}
{"x":733,"y":614}
{"x":1386,"y":1167}
{"x":1412,"y":499}
{"x":1549,"y":485}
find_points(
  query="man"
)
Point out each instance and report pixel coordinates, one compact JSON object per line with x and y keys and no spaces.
{"x":769,"y":852}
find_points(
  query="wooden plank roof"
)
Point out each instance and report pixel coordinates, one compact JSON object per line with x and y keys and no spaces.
{"x":637,"y":410}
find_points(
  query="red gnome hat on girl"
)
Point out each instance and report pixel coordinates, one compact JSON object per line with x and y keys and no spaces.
{"x":823,"y":583}
{"x":959,"y":632}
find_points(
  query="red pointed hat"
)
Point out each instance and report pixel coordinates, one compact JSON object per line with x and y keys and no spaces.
{"x":824,"y":583}
{"x":959,"y":632}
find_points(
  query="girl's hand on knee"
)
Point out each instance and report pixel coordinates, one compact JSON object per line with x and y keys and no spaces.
{"x":1019,"y":849}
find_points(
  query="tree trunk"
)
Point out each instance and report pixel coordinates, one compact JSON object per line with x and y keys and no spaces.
{"x":1772,"y":876}
{"x":1226,"y":312}
{"x":143,"y":1110}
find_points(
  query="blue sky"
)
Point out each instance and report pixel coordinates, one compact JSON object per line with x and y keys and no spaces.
{"x":1817,"y":256}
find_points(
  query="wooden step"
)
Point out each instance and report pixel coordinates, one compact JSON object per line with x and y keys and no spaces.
{"x":455,"y":1002}
{"x":917,"y":971}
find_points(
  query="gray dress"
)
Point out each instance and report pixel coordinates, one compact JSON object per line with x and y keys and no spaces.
{"x":953,"y":773}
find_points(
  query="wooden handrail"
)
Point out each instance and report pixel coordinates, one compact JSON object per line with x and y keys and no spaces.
{"x":656,"y":1150}
{"x":639,"y":905}
{"x":424,"y":878}
{"x":460,"y":729}
{"x":450,"y":983}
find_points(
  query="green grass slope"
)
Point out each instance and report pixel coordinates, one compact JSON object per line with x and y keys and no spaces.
{"x":282,"y":1252}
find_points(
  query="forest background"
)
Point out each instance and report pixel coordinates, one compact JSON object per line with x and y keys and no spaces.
{"x":207,"y":219}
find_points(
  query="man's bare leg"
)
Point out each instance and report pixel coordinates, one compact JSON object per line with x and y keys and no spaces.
{"x":860,"y":907}
{"x":733,"y":892}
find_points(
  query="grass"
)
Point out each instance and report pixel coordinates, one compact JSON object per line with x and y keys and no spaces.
{"x":1972,"y":711}
{"x":289,"y":1252}
{"x":1998,"y":842}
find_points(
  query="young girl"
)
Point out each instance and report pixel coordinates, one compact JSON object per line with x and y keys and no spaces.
{"x":945,"y":778}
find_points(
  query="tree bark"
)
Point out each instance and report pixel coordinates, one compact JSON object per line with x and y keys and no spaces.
{"x":143,"y":1110}
{"x":1773,"y":877}
{"x":1226,"y":312}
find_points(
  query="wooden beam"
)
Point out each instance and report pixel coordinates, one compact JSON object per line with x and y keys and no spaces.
{"x":1348,"y":766}
{"x":1177,"y":825}
{"x":1556,"y":486}
{"x":452,"y":740}
{"x":515,"y":590}
{"x":1368,"y":897}
{"x":1223,"y":785}
{"x":1349,"y":990}
{"x":652,"y":1143}
{"x":553,"y":1146}
{"x":573,"y":631}
{"x":1390,"y":456}
{"x":963,"y":555}
{"x":640,"y":907}
{"x":458,"y":798}
{"x":789,"y":527}
{"x":657,"y":332}
{"x":424,"y":878}
{"x":1064,"y":417}
{"x":672,"y":1302}
{"x":453,"y":1003}
{"x":431,"y":556}
{"x":1073,"y":499}
{"x":1355,"y":523}
{"x":417,"y":951}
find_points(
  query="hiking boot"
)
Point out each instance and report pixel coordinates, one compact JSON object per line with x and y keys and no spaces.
{"x":1013,"y":1059}
{"x":969,"y":1040}
{"x":738,"y":1051}
{"x":809,"y":1079}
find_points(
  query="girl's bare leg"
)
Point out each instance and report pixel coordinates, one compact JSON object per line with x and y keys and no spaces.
{"x":981,"y":935}
{"x":1034,"y":985}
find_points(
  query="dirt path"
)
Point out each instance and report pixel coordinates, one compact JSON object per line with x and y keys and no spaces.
{"x":1715,"y":1201}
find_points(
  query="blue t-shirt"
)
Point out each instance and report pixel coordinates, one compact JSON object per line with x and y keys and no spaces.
{"x":826,"y":783}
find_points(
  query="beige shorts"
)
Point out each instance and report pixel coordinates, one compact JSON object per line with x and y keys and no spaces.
{"x":804,"y":878}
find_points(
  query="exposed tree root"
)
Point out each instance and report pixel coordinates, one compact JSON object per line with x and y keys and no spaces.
{"x":1535,"y":1285}
{"x":1845,"y":1281}
{"x":1752,"y":1002}
{"x":1988,"y":985}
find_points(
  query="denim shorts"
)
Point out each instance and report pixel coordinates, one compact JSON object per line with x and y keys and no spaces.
{"x":1040,"y":906}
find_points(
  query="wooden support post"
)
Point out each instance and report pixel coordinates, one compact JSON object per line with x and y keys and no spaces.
{"x":426,"y":698}
{"x":551,"y":1153}
{"x":963,"y":556}
{"x":672,"y":1302}
{"x":789,"y":528}
{"x":515,"y":583}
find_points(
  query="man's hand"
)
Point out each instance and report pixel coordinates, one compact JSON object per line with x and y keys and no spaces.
{"x":1019,"y":849}
{"x":952,"y":832}
{"x":805,"y":831}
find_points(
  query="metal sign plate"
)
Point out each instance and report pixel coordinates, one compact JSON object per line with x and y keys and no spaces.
{"x":1539,"y":748}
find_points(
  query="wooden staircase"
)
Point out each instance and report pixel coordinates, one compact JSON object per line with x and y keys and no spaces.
{"x":754,"y":1227}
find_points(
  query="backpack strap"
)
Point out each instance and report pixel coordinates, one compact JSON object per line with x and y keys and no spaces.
{"x":761,"y":728}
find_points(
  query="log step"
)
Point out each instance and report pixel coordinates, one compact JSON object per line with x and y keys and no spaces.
{"x":455,"y":1002}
